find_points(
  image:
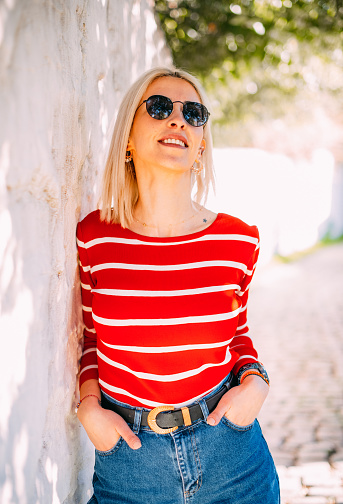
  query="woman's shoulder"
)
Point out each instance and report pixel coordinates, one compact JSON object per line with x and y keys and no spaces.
{"x":92,"y":226}
{"x":226,"y":223}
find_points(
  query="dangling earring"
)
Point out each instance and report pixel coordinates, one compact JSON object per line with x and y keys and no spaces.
{"x":128,"y":157}
{"x":198,"y":165}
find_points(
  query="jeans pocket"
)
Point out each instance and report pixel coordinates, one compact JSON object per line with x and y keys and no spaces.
{"x":111,"y":450}
{"x":239,"y":428}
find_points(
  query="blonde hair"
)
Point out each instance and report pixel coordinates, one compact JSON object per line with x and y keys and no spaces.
{"x":119,"y":192}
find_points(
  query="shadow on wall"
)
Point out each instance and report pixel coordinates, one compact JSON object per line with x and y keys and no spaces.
{"x":294,"y":203}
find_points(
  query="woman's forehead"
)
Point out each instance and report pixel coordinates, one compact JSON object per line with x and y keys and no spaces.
{"x":172,"y":87}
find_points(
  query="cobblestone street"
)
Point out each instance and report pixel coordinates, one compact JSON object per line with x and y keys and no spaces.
{"x":296,"y":319}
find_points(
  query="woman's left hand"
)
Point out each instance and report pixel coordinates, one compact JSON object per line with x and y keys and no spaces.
{"x":241,"y":404}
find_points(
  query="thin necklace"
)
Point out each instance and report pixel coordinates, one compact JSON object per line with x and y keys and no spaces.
{"x":170,"y":225}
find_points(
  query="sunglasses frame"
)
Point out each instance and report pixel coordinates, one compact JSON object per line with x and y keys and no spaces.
{"x":204,"y":109}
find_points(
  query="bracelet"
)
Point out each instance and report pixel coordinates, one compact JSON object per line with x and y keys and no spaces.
{"x":88,"y":395}
{"x":256,"y":368}
{"x":254,"y":372}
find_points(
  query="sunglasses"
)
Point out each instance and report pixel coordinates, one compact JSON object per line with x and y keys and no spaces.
{"x":160,"y":107}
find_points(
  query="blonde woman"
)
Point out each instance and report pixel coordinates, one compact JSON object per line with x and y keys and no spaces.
{"x":170,"y":382}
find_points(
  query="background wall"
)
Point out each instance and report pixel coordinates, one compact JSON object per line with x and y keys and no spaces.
{"x":294,"y":201}
{"x":64,"y":66}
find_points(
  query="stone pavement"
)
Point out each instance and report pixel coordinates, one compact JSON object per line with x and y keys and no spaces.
{"x":296,"y":319}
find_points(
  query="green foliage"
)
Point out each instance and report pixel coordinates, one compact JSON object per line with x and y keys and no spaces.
{"x":204,"y":34}
{"x":258,"y":58}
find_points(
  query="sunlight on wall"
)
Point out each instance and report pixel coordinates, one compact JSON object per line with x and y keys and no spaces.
{"x":20,"y":454}
{"x":51,"y":471}
{"x":289,"y":200}
{"x":15,"y":327}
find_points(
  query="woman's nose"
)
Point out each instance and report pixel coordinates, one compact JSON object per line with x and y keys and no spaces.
{"x":176,"y":117}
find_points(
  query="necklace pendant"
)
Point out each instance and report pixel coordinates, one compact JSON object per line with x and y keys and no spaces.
{"x":204,"y":220}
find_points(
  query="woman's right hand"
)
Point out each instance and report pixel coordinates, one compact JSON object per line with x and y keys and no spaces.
{"x":104,"y":427}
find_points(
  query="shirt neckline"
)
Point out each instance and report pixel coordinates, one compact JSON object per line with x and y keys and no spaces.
{"x":196,"y":234}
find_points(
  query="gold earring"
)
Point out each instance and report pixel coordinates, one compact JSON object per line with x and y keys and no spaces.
{"x":128,"y":157}
{"x":197,"y":167}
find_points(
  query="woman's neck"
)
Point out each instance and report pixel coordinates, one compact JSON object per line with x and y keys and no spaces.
{"x":166,"y":216}
{"x":165,"y":207}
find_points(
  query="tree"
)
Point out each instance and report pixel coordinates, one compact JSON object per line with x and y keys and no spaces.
{"x":204,"y":34}
{"x":258,"y":59}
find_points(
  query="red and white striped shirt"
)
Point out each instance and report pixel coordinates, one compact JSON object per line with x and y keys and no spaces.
{"x":165,"y":318}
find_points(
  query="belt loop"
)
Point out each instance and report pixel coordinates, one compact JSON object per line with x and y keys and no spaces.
{"x":204,"y":408}
{"x":137,"y":421}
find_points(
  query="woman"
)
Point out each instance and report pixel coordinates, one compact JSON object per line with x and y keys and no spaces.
{"x":164,"y":291}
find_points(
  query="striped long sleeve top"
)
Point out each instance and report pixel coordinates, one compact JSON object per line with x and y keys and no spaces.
{"x":165,"y":318}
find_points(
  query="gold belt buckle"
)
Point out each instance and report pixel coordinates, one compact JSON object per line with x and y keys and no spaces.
{"x":152,"y":422}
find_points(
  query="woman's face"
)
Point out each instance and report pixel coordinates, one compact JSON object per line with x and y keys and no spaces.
{"x":150,"y":139}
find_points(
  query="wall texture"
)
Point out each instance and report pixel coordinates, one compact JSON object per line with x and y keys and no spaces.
{"x":64,"y":66}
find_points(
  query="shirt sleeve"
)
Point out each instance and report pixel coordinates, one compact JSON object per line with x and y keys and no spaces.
{"x":89,"y":361}
{"x":242,"y":343}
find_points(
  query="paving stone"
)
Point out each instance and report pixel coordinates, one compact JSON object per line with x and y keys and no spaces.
{"x":329,"y":433}
{"x":324,"y":447}
{"x":332,"y":491}
{"x":317,"y":456}
{"x":308,"y":500}
{"x":282,"y":458}
{"x":337,"y":464}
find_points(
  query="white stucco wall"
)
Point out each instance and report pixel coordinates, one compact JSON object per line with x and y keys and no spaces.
{"x":64,"y":66}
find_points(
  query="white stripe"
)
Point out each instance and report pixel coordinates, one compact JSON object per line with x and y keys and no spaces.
{"x":89,"y":350}
{"x":208,"y":237}
{"x":164,"y":322}
{"x":184,"y":292}
{"x":241,"y":293}
{"x":240,"y":344}
{"x":242,"y":326}
{"x":167,"y":349}
{"x":165,"y":378}
{"x":87,"y":308}
{"x":247,"y":357}
{"x":170,"y":267}
{"x":243,"y":308}
{"x":90,"y":330}
{"x":94,"y":366}
{"x":85,"y":286}
{"x":240,"y":335}
{"x":85,"y":268}
{"x":153,"y":404}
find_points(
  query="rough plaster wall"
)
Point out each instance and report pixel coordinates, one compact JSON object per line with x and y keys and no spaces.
{"x":63,"y":68}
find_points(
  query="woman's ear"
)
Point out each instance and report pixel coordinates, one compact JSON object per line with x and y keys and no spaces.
{"x":202,"y":146}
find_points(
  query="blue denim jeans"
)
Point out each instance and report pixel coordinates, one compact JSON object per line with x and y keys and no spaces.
{"x":198,"y":464}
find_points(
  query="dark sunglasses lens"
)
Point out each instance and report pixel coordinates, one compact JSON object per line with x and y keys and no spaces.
{"x":159,"y":107}
{"x":195,"y":114}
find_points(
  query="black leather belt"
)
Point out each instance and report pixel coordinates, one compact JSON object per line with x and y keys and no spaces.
{"x":169,"y":419}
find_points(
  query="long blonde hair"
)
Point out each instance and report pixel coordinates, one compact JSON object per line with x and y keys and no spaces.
{"x":119,"y":192}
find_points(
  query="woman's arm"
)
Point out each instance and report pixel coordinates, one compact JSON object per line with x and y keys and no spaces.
{"x":242,"y":404}
{"x":103,"y":427}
